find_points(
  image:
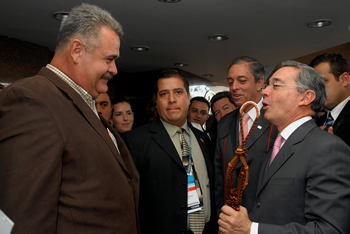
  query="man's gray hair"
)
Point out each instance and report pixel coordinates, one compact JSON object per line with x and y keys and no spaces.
{"x":84,"y":22}
{"x":309,"y":79}
{"x":256,"y":68}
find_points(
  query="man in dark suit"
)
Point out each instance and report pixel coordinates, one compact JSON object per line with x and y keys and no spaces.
{"x":63,"y":169}
{"x":304,"y":185}
{"x":198,"y":112}
{"x":156,"y":150}
{"x":246,"y":79}
{"x":335,"y":70}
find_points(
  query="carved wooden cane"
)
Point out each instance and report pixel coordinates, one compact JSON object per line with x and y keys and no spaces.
{"x":233,"y":196}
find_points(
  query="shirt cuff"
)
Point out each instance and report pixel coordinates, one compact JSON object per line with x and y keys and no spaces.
{"x":254,"y":228}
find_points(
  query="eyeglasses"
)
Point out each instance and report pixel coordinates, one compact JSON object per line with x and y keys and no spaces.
{"x":195,"y":111}
{"x":274,"y":85}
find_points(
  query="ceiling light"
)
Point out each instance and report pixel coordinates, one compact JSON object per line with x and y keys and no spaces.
{"x":208,"y":75}
{"x":219,"y":37}
{"x":170,"y":1}
{"x":140,"y":48}
{"x":319,"y":23}
{"x":181,"y":64}
{"x":60,"y":15}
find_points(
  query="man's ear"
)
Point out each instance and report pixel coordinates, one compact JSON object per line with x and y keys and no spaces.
{"x":344,"y":79}
{"x":308,"y":98}
{"x":77,"y":50}
{"x":260,"y":84}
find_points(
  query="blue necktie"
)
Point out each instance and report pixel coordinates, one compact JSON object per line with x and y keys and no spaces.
{"x":330,"y":120}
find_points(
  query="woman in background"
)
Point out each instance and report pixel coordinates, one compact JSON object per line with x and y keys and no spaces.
{"x":122,"y":115}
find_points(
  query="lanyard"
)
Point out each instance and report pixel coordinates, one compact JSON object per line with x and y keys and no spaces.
{"x":188,"y":170}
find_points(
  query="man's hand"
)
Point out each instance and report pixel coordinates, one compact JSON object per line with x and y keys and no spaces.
{"x":232,"y":221}
{"x":330,"y":129}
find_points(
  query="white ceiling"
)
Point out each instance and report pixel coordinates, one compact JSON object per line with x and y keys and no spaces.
{"x":269,"y":30}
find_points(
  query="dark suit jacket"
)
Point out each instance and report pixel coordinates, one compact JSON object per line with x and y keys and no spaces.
{"x":307,"y":187}
{"x":258,"y":145}
{"x":60,"y":172}
{"x":163,"y":179}
{"x":341,"y":126}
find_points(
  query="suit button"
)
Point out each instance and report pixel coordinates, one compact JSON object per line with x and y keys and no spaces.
{"x":183,"y":208}
{"x":182,"y":231}
{"x":258,"y":205}
{"x":183,"y":185}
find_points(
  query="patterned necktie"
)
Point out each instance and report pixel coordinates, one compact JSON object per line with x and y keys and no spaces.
{"x":330,"y":120}
{"x":184,"y":149}
{"x":276,"y":147}
{"x":197,"y":219}
{"x":245,"y":119}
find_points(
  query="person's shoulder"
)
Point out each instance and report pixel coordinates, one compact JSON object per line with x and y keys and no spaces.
{"x":227,"y":119}
{"x":139,"y":132}
{"x":324,"y":137}
{"x":346,"y":109}
{"x":196,"y":131}
{"x":139,"y":129}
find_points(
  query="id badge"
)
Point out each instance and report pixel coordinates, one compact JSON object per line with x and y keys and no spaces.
{"x":192,"y":201}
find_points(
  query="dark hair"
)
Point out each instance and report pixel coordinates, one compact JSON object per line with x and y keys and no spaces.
{"x":200,"y":99}
{"x":337,"y":62}
{"x":152,"y":108}
{"x":168,"y":73}
{"x":221,"y":95}
{"x":117,"y":100}
{"x":211,"y":125}
{"x":309,"y":79}
{"x":256,"y":68}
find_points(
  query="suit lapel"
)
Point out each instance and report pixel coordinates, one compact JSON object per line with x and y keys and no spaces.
{"x":86,"y":111}
{"x":111,"y":145}
{"x":203,"y":142}
{"x":341,"y":118}
{"x":233,"y":130}
{"x":284,"y":154}
{"x":260,"y":128}
{"x":161,"y":137}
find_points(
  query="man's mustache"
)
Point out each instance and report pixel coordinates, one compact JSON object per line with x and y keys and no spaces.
{"x":107,"y":76}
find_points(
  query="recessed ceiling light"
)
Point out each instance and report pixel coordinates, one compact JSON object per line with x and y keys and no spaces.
{"x":170,"y":1}
{"x":181,"y":64}
{"x":208,"y":75}
{"x":60,"y":15}
{"x":219,"y":37}
{"x":140,"y":48}
{"x":319,"y":23}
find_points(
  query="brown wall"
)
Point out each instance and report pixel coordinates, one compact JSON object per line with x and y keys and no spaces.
{"x":20,"y":59}
{"x":343,"y":49}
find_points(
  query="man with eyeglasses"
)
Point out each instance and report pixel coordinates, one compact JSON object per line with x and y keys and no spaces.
{"x":245,"y":78}
{"x":198,"y":112}
{"x":304,"y":184}
{"x":335,"y":70}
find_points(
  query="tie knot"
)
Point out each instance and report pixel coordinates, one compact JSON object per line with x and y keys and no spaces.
{"x":245,"y":118}
{"x":329,"y":119}
{"x":180,"y":130}
{"x":279,"y":141}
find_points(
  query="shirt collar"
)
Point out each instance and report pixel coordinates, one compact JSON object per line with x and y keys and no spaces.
{"x":83,"y":94}
{"x":252,"y":112}
{"x":287,"y":131}
{"x":172,"y":129}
